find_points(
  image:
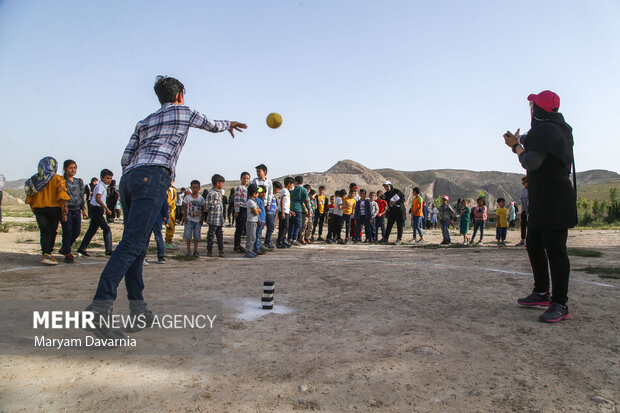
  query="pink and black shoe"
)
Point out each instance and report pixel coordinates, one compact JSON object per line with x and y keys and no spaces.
{"x":556,"y":312}
{"x":536,"y":299}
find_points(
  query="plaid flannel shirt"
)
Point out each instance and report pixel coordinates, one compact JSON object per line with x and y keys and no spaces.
{"x":214,"y":208}
{"x":241,"y":196}
{"x":159,"y":138}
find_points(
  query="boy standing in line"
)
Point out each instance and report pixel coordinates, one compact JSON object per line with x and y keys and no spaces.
{"x":501,"y":225}
{"x":241,"y":195}
{"x":321,"y":213}
{"x":380,"y":218}
{"x":299,"y":197}
{"x":214,"y":209}
{"x":251,"y":222}
{"x":98,"y":209}
{"x":260,"y":201}
{"x":417,"y":215}
{"x":172,"y":206}
{"x":193,"y":209}
{"x":261,"y":179}
{"x":285,"y":209}
{"x":445,"y":213}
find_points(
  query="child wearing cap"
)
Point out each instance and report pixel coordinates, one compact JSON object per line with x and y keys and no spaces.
{"x":445,"y":213}
{"x":251,"y":222}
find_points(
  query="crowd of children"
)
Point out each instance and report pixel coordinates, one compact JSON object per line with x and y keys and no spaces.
{"x":270,"y":214}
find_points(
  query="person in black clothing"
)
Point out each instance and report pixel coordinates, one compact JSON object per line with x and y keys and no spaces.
{"x":88,"y":193}
{"x":546,"y":152}
{"x":231,"y":207}
{"x":111,"y":200}
{"x":396,"y":212}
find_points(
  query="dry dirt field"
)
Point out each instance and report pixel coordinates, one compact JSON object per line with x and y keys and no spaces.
{"x":366,"y":329}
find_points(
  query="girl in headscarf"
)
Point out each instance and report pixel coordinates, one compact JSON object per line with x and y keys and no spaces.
{"x":46,"y":193}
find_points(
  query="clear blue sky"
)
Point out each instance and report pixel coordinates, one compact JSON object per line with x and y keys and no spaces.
{"x":402,"y":84}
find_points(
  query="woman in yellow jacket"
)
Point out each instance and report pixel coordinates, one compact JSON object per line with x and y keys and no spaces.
{"x":46,"y":193}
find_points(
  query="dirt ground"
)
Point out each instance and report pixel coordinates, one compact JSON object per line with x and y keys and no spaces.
{"x":366,"y":328}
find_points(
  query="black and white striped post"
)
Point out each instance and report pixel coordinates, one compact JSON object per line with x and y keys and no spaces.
{"x":268,"y":291}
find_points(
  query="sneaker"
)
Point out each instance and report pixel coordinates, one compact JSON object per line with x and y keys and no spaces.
{"x":320,"y":239}
{"x":302,"y":242}
{"x":100,"y":329}
{"x":170,"y":246}
{"x":420,"y":241}
{"x":108,"y":253}
{"x":294,"y":243}
{"x":140,"y":321}
{"x":479,"y":242}
{"x":48,"y":260}
{"x":221,"y":254}
{"x":383,"y":241}
{"x":413,"y":241}
{"x":280,"y":246}
{"x":209,"y":253}
{"x":161,"y":260}
{"x":63,"y":252}
{"x":145,"y":262}
{"x":541,"y":299}
{"x":69,"y":258}
{"x":308,"y":241}
{"x":83,"y":253}
{"x":520,"y":244}
{"x":556,"y":312}
{"x":499,"y":244}
{"x":270,"y":246}
{"x":398,"y":242}
{"x":249,"y":255}
{"x":195,"y":254}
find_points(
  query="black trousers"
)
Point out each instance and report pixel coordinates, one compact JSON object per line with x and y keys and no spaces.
{"x":97,"y":220}
{"x":399,"y":219}
{"x":240,"y":226}
{"x":217,"y":232}
{"x":48,"y":219}
{"x":547,"y":251}
{"x":282,"y":228}
{"x":319,"y":221}
{"x":523,"y":224}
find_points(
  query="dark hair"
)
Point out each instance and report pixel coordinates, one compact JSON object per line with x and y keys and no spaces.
{"x":321,"y":187}
{"x":288,"y":180}
{"x":194,"y":182}
{"x":93,"y":179}
{"x":500,"y":200}
{"x":337,"y":193}
{"x":379,"y":191}
{"x":68,"y":163}
{"x":262,"y":167}
{"x":106,"y":172}
{"x":243,"y":174}
{"x":167,"y":89}
{"x":362,"y":191}
{"x":312,"y":192}
{"x":343,"y":192}
{"x":351,"y":185}
{"x":299,"y":179}
{"x":217,"y":178}
{"x":277,"y":185}
{"x":524,"y":179}
{"x":484,"y":202}
{"x":113,"y":183}
{"x":307,"y":187}
{"x":372,"y":193}
{"x":252,"y":189}
{"x":416,"y":190}
{"x":264,"y":188}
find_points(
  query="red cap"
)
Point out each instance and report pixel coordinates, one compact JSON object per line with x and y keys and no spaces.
{"x":546,"y":100}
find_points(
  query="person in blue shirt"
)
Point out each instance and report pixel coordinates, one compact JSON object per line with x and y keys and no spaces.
{"x":260,"y":200}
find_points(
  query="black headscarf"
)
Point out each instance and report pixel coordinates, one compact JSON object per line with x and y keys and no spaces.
{"x":550,"y":134}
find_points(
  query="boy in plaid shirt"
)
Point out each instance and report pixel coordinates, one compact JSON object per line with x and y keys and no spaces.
{"x":214,"y":209}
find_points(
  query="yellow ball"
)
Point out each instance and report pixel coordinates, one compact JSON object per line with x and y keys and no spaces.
{"x":274,"y":120}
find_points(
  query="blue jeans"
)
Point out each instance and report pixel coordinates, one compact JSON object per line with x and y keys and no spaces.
{"x":259,"y":234}
{"x":416,"y":224}
{"x":270,"y":225}
{"x":445,"y":229}
{"x":71,"y":229}
{"x":295,"y":227}
{"x":142,"y":190}
{"x":478,"y":224}
{"x":346,"y":218}
{"x":159,"y":240}
{"x":363,"y":221}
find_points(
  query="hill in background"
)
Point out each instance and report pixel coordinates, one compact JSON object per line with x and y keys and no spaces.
{"x":594,"y":184}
